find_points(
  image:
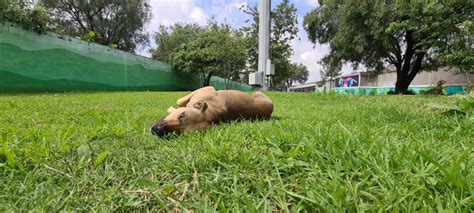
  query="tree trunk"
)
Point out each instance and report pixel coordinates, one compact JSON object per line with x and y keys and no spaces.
{"x":402,"y":84}
{"x":202,"y":75}
{"x":227,"y":77}
{"x":409,"y":66}
{"x":227,"y":82}
{"x":208,"y":79}
{"x":406,"y":74}
{"x":288,"y":85}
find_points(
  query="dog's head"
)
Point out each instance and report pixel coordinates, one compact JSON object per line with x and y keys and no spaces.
{"x":183,"y":119}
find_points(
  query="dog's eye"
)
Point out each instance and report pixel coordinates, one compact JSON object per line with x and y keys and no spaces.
{"x":181,"y":117}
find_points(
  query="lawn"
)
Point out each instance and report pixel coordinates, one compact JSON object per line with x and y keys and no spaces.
{"x":94,"y":151}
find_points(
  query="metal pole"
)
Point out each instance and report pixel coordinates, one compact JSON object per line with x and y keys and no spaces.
{"x":264,"y":41}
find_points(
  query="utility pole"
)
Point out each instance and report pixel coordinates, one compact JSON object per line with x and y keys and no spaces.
{"x":265,"y":67}
{"x":264,"y":43}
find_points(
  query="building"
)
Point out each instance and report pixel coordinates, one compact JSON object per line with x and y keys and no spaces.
{"x":365,"y":83}
{"x":307,"y":87}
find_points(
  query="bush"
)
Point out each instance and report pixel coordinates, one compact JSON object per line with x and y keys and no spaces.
{"x":438,"y":90}
{"x":468,"y":88}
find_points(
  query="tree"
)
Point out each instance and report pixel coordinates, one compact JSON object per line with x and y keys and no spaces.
{"x":231,"y":51}
{"x":196,"y":57}
{"x":331,"y":68}
{"x":23,"y":13}
{"x":114,"y":22}
{"x":218,"y":50}
{"x":459,"y":51}
{"x":283,"y":30}
{"x":251,"y":39}
{"x":411,"y":35}
{"x":170,"y":39}
{"x":297,"y":73}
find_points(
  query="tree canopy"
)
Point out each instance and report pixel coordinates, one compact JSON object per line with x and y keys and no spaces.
{"x":409,"y":35}
{"x":231,"y":51}
{"x":331,"y":68}
{"x":169,"y":39}
{"x":113,"y":22}
{"x":206,"y":51}
{"x":23,"y":13}
{"x":297,"y":73}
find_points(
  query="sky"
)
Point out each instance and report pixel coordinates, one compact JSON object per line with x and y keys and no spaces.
{"x":168,"y":12}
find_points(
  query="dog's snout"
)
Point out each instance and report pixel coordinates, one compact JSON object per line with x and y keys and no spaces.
{"x":158,"y":130}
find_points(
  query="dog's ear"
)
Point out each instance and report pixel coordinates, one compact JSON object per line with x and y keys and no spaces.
{"x":201,"y":105}
{"x":171,"y":109}
{"x":204,"y":107}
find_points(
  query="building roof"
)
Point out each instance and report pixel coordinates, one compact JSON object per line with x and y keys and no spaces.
{"x":312,"y":84}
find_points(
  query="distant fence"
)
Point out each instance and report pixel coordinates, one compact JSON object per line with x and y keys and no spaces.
{"x":30,"y":63}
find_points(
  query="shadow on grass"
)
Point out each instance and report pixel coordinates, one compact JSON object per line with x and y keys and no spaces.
{"x":276,"y":118}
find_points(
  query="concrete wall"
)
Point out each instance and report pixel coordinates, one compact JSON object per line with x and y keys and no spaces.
{"x":369,"y":80}
{"x":380,"y":84}
{"x":422,"y":79}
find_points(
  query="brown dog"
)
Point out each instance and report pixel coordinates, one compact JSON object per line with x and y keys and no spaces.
{"x":206,"y":106}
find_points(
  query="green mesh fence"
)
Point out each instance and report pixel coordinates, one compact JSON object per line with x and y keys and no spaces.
{"x":30,"y":63}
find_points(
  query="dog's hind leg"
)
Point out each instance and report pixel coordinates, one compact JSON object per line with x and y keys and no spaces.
{"x":263,"y":105}
{"x":184,"y":100}
{"x":260,"y":96}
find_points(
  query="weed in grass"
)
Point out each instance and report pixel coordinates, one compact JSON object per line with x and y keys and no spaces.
{"x":464,"y":105}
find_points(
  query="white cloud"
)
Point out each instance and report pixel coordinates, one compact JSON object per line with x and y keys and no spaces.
{"x":311,"y":3}
{"x":229,"y":11}
{"x":168,"y":12}
{"x":198,"y":15}
{"x":348,"y":69}
{"x":307,"y":53}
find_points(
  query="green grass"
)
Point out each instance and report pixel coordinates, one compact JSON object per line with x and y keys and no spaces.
{"x":93,"y":151}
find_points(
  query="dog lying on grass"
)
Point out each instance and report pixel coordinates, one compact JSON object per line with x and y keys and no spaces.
{"x":206,"y":106}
